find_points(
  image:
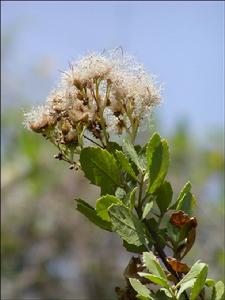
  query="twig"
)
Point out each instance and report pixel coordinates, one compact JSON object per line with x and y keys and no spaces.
{"x":93,"y":141}
{"x":159,"y":250}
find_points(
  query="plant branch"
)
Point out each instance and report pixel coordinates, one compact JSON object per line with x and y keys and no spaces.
{"x":159,"y":250}
{"x":87,"y":138}
{"x":140,"y":193}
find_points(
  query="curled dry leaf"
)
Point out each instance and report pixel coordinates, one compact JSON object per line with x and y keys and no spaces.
{"x":178,"y":266}
{"x":179,"y":219}
{"x":189,"y":242}
{"x":187,"y":226}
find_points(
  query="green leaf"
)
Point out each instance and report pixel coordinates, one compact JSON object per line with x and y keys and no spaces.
{"x":218,"y":293}
{"x":157,"y":154}
{"x":139,"y":287}
{"x":103,"y":204}
{"x":89,"y":212}
{"x":143,"y":298}
{"x":131,"y":153}
{"x":186,"y":285}
{"x":141,"y":152}
{"x":120,"y":194}
{"x":132,"y":197}
{"x":124,"y":164}
{"x":184,"y":191}
{"x":133,"y":248}
{"x":113,"y":146}
{"x":164,"y":196}
{"x":154,"y":142}
{"x":187,"y":203}
{"x":210,"y":282}
{"x":163,"y":294}
{"x":101,"y":169}
{"x":127,"y":225}
{"x":185,"y":200}
{"x":156,"y":279}
{"x":173,"y":233}
{"x":199,"y":283}
{"x":193,"y":273}
{"x":153,"y":265}
{"x":147,"y":209}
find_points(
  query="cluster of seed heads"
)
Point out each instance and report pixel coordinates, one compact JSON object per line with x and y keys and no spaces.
{"x":101,"y":95}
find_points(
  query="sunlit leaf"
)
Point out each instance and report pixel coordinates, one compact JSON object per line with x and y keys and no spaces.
{"x":127,"y":225}
{"x":210,"y":282}
{"x":157,"y":154}
{"x":132,"y":197}
{"x":103,"y":204}
{"x":124,"y":164}
{"x":155,"y":279}
{"x":101,"y":169}
{"x":193,"y":273}
{"x":139,"y":288}
{"x":186,"y":285}
{"x":185,"y":201}
{"x":147,"y":209}
{"x":131,"y":153}
{"x":199,"y":283}
{"x":153,"y":265}
{"x":218,"y":291}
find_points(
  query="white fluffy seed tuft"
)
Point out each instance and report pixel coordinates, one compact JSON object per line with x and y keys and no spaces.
{"x":104,"y":94}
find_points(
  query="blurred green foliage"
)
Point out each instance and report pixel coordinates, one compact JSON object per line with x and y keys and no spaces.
{"x":51,"y":251}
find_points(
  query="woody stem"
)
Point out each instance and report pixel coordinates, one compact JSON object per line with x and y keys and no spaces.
{"x":154,"y":236}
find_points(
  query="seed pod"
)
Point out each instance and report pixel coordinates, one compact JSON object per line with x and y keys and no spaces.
{"x":78,"y":116}
{"x":85,"y":101}
{"x":95,"y":128}
{"x":51,"y":119}
{"x":39,"y":125}
{"x":65,"y":126}
{"x":89,"y":84}
{"x":80,"y":95}
{"x":78,"y":84}
{"x":58,"y":156}
{"x":120,"y":126}
{"x":71,"y":137}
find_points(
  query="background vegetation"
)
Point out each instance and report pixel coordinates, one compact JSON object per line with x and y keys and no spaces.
{"x":49,"y":250}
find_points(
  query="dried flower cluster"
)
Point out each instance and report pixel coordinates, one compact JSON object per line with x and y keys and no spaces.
{"x":100,"y":95}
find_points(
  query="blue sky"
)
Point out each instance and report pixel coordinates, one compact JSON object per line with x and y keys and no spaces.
{"x":180,"y":42}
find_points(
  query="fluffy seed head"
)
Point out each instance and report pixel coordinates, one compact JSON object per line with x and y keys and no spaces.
{"x":104,"y":94}
{"x":39,"y":119}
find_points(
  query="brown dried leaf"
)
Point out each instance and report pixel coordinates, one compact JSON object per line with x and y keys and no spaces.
{"x":190,"y":241}
{"x":178,"y":266}
{"x":179,"y":219}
